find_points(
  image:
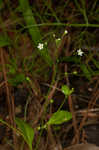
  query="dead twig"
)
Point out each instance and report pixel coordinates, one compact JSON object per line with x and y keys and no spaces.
{"x":69,"y":97}
{"x":10,"y":102}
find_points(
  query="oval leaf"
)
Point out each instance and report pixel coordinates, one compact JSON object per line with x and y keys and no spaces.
{"x":60,"y":117}
{"x":27,"y":131}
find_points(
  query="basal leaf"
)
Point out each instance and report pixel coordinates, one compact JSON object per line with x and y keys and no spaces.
{"x":27,"y":131}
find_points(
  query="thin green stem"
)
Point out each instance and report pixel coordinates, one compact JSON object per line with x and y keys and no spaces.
{"x":62,"y":24}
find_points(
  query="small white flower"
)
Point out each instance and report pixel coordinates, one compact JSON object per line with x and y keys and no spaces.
{"x":40,"y":46}
{"x":65,"y":32}
{"x":80,"y":52}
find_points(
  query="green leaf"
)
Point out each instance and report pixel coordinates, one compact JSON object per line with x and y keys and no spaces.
{"x":60,"y":117}
{"x":66,"y":91}
{"x":96,"y":63}
{"x":86,"y":72}
{"x":17,"y":79}
{"x":4,"y":40}
{"x":27,"y":131}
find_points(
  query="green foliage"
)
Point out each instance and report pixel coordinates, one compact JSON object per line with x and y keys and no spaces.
{"x":58,"y":41}
{"x":82,"y":9}
{"x":86,"y":69}
{"x":86,"y":72}
{"x":34,"y":30}
{"x":26,"y":130}
{"x":17,"y":79}
{"x":66,"y":91}
{"x":96,"y":63}
{"x":59,"y":117}
{"x":4,"y":40}
{"x":12,"y":66}
{"x":36,"y":25}
{"x":14,"y":77}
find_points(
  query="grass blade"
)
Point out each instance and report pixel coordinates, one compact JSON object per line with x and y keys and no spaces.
{"x":34,"y":31}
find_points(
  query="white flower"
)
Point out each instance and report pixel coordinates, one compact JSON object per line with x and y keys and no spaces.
{"x":65,"y":32}
{"x":40,"y":46}
{"x":80,"y":52}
